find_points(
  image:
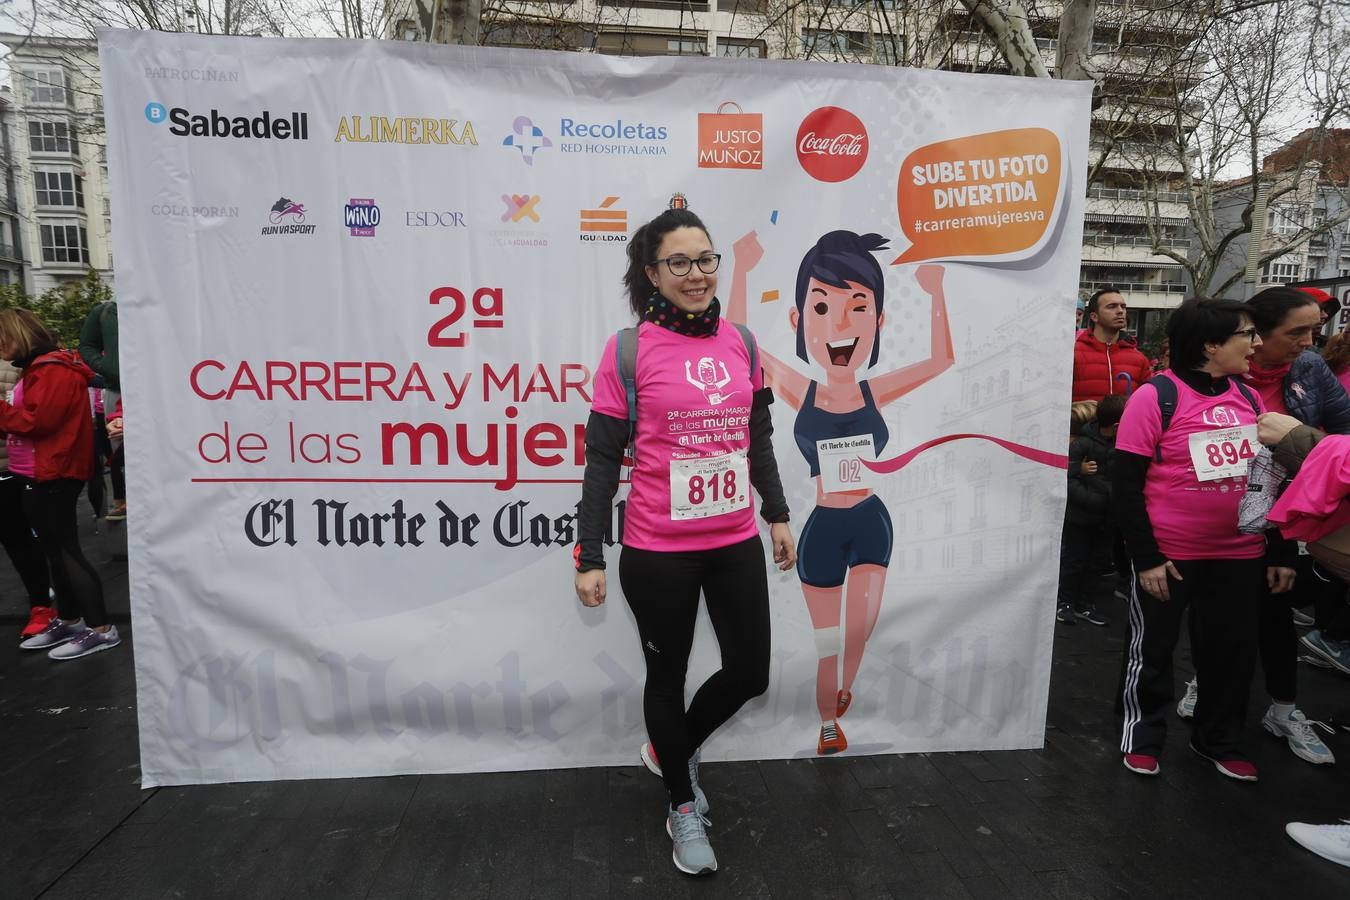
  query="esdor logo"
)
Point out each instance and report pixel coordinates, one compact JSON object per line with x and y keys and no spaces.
{"x":831,"y":144}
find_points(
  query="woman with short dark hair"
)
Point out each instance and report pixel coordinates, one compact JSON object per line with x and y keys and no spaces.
{"x":1182,"y":453}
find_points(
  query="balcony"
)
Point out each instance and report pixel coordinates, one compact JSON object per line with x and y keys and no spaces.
{"x":1133,"y":287}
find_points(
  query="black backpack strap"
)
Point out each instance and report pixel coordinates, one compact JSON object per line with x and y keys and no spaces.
{"x":1167,"y":405}
{"x":751,"y":348}
{"x":1246,"y":392}
{"x":625,"y":352}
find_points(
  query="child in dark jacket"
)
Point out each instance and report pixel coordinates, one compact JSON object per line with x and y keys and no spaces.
{"x":1089,"y":535}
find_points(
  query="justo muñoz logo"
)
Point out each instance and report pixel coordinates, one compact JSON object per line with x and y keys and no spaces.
{"x":831,"y":144}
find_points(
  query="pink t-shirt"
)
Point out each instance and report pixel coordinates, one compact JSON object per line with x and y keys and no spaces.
{"x":22,"y":460}
{"x":1344,"y":377}
{"x":694,"y":398}
{"x":1191,"y":519}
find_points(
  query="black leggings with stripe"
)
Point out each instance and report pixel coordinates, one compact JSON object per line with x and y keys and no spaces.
{"x":1224,"y":596}
{"x":663,"y":590}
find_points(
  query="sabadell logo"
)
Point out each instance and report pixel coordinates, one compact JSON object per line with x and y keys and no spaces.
{"x":831,"y":144}
{"x":213,"y":123}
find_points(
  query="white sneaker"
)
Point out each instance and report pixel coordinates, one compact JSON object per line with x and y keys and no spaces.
{"x":1301,"y":733}
{"x":1186,"y":708}
{"x":56,"y":633}
{"x":1327,"y":841}
{"x":90,"y":641}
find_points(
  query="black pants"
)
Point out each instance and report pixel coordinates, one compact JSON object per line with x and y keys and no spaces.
{"x":1278,"y":644}
{"x":1083,"y":553}
{"x":1224,"y":596}
{"x":663,"y":591}
{"x":1329,"y":604}
{"x":50,"y":507}
{"x":16,"y":535}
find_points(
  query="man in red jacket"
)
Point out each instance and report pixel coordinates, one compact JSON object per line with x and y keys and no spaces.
{"x":1103,"y":361}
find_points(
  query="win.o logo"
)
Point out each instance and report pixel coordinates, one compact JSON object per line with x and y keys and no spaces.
{"x":156,"y":113}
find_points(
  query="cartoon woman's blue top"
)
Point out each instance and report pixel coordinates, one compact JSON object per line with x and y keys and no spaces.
{"x":815,"y":424}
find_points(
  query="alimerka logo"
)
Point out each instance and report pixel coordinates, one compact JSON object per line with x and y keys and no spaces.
{"x":831,"y":144}
{"x":404,"y":130}
{"x":730,"y":140}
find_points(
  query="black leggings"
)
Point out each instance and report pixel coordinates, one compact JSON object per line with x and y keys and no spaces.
{"x":663,"y":590}
{"x":16,"y":535}
{"x":50,"y":507}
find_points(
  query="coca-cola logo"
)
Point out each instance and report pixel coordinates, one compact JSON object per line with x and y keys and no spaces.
{"x":831,"y":144}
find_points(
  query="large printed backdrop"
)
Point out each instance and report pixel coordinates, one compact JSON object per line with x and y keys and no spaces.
{"x":364,"y":286}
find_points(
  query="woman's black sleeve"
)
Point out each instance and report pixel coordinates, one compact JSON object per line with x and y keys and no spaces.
{"x":1128,"y":473}
{"x":606,"y":438}
{"x":763,"y":465}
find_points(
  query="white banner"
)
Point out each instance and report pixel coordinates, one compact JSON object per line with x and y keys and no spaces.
{"x":364,"y":286}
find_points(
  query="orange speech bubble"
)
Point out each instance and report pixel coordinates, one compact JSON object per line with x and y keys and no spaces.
{"x":988,"y":194}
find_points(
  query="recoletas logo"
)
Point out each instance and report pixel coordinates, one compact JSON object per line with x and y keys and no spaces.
{"x":293,"y":126}
{"x":616,"y":137}
{"x":831,"y":144}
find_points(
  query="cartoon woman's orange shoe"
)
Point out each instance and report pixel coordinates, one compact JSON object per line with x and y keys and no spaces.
{"x":832,"y":740}
{"x":842,"y":703}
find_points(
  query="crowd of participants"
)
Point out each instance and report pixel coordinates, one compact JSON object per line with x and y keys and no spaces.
{"x":1201,"y":482}
{"x":61,"y":415}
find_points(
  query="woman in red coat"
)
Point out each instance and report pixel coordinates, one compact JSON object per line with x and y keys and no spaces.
{"x":51,"y":446}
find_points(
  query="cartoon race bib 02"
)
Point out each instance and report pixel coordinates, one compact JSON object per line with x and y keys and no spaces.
{"x":1223,"y":452}
{"x":841,"y":468}
{"x":709,"y":486}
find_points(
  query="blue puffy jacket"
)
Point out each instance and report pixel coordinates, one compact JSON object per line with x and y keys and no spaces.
{"x":1315,"y":396}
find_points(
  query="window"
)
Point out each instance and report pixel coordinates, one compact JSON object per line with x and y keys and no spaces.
{"x":634,"y":43}
{"x":1279,"y":273}
{"x":51,"y":137}
{"x":835,"y":44}
{"x":65,"y":244}
{"x":742,"y":7}
{"x":1284,"y":220}
{"x":58,"y":189}
{"x":740,"y":47}
{"x":46,"y":86}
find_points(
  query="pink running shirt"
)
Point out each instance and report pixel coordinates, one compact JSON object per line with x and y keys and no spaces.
{"x":22,"y":457}
{"x":1191,"y":519}
{"x":694,"y":398}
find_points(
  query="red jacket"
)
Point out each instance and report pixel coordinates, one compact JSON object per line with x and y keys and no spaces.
{"x":1100,"y":369}
{"x":55,"y":416}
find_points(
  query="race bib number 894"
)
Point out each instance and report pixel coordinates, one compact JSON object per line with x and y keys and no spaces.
{"x":1223,"y":452}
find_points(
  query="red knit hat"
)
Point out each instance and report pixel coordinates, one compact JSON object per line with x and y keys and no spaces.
{"x":1317,"y":294}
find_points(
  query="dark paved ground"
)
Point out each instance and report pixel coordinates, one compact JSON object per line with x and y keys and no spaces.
{"x":1064,"y":821}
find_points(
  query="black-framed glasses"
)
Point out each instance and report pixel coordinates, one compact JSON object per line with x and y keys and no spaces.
{"x":679,"y":266}
{"x":1248,"y":333}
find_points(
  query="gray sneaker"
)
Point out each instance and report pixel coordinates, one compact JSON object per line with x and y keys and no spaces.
{"x":692,"y":853}
{"x":56,"y":633}
{"x":90,"y":641}
{"x":1335,"y":652}
{"x":1301,"y":733}
{"x":648,"y":754}
{"x":1186,"y":708}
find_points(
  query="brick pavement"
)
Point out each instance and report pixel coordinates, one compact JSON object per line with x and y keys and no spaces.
{"x":1066,"y":821}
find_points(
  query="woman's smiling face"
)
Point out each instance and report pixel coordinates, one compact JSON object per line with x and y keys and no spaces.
{"x":839,"y":324}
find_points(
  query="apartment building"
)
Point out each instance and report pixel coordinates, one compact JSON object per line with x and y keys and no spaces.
{"x":1316,"y":166}
{"x":1136,"y":49}
{"x":56,"y":160}
{"x":11,"y":231}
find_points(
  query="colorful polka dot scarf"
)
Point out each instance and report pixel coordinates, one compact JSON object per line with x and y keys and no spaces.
{"x":661,"y":311}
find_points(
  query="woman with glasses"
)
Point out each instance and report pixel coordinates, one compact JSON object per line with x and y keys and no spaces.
{"x":1182,"y":456}
{"x":702,"y":438}
{"x":847,"y":540}
{"x":1292,"y":378}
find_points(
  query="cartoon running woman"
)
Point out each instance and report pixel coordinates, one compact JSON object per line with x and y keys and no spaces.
{"x":707,"y":380}
{"x":846,"y":542}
